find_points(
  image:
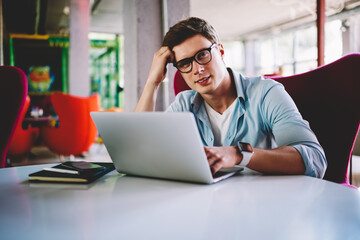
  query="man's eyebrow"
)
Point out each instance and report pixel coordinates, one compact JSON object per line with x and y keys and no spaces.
{"x":187,"y":57}
{"x":179,"y":59}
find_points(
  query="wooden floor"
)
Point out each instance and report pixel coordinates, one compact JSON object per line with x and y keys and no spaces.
{"x":98,"y":153}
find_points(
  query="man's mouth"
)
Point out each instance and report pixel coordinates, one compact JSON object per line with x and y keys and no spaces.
{"x":202,"y":79}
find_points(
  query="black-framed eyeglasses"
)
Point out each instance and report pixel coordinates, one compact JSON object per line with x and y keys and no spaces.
{"x":202,"y":57}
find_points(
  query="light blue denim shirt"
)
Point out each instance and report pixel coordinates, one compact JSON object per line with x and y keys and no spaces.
{"x":265,"y":116}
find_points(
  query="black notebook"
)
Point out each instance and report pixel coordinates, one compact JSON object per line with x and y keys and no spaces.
{"x":73,"y":172}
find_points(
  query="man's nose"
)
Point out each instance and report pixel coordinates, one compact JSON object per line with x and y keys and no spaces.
{"x":197,"y":68}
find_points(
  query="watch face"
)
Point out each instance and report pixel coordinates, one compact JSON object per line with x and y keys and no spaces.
{"x":245,"y":147}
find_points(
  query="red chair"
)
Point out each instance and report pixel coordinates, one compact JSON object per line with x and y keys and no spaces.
{"x":76,"y":131}
{"x":179,"y":83}
{"x":327,"y":97}
{"x":13,"y":92}
{"x":23,"y":139}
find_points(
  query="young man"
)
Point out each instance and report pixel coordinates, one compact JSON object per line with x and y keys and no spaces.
{"x":233,"y":112}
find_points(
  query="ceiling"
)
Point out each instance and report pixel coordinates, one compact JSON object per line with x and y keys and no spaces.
{"x":235,"y":18}
{"x":107,"y":17}
{"x":231,"y":18}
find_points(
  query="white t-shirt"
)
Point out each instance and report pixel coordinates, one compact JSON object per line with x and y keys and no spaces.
{"x":219,"y":122}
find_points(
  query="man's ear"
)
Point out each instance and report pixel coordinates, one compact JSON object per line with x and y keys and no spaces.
{"x":221,"y":50}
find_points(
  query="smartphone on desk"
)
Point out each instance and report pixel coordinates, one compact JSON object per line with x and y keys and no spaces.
{"x":82,"y":166}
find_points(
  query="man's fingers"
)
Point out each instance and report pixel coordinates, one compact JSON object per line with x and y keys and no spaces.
{"x":212,"y":159}
{"x":165,"y":51}
{"x":221,"y":157}
{"x":211,"y":155}
{"x":216,"y":167}
{"x":209,"y":150}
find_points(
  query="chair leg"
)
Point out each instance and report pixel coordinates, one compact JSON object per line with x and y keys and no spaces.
{"x":7,"y":162}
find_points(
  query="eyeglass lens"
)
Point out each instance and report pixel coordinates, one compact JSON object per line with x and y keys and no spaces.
{"x":202,"y":57}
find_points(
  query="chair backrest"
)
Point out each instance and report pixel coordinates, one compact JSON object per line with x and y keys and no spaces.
{"x":13,"y":92}
{"x":179,"y":83}
{"x":327,"y":98}
{"x":23,"y":139}
{"x":76,"y":131}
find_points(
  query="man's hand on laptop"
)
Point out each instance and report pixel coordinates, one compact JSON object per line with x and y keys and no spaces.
{"x":222,"y":157}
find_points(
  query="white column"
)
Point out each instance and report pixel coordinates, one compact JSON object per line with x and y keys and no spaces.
{"x":79,"y":80}
{"x":142,"y":32}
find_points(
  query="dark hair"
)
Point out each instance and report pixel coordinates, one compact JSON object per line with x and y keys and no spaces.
{"x":188,"y":28}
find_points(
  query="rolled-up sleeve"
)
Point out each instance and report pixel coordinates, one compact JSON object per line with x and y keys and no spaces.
{"x":288,"y":127}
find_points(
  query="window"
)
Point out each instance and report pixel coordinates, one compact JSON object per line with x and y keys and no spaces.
{"x":234,"y":55}
{"x":296,"y":52}
{"x":267,"y":60}
{"x":105,"y":68}
{"x":333,"y":41}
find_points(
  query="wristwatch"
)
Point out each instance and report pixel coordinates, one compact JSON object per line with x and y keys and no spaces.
{"x":246,"y":151}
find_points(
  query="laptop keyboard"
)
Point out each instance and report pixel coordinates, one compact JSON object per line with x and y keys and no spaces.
{"x":227,"y":171}
{"x":220,"y":174}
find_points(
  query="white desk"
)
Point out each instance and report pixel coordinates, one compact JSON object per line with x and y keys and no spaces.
{"x":114,"y":207}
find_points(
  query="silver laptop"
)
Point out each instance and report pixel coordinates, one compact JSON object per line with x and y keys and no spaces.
{"x":157,"y":145}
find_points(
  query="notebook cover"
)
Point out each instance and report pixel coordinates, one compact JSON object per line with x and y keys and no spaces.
{"x":83,"y":177}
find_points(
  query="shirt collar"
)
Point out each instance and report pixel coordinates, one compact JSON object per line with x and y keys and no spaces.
{"x":236,"y":77}
{"x":197,"y":100}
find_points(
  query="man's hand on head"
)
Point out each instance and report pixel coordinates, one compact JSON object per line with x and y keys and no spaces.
{"x":156,"y":76}
{"x":158,"y":67}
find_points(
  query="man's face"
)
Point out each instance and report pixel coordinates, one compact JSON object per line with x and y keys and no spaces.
{"x":206,"y":78}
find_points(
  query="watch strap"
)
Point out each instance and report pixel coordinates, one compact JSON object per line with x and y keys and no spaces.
{"x":246,"y":155}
